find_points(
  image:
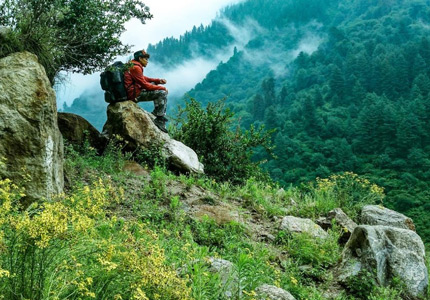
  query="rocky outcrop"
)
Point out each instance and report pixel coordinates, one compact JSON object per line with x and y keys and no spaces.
{"x":135,"y":126}
{"x":379,"y":215}
{"x":388,"y":252}
{"x":30,"y":140}
{"x":341,"y":219}
{"x":77,"y":130}
{"x":297,"y":225}
{"x":270,"y":292}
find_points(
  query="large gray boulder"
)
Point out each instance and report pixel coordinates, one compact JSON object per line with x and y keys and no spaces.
{"x":30,"y":141}
{"x":388,"y":252}
{"x":135,"y":126}
{"x":379,"y":215}
{"x":270,"y":292}
{"x":298,"y":225}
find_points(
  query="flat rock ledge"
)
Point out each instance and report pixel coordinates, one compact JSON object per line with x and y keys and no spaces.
{"x":379,"y":215}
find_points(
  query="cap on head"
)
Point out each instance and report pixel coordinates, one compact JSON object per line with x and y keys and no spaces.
{"x":141,"y":53}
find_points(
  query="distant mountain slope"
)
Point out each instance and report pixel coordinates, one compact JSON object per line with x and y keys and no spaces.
{"x":277,"y":31}
{"x":270,"y":15}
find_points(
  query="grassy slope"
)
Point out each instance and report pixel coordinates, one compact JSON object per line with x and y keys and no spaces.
{"x":150,"y":236}
{"x":197,"y":218}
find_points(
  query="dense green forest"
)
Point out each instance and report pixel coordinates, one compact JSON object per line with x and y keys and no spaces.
{"x":359,"y":103}
{"x":344,"y":83}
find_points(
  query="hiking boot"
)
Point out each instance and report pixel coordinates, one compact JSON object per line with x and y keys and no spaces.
{"x":162,"y":117}
{"x":161,"y":123}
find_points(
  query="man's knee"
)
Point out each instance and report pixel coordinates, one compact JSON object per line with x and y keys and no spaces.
{"x":162,"y":97}
{"x":162,"y":93}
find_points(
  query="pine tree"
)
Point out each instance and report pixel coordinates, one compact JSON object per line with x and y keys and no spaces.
{"x":283,"y":96}
{"x":358,"y":92}
{"x":424,"y":49}
{"x":408,"y":134}
{"x":370,"y":121}
{"x":271,"y":118}
{"x":268,"y":88}
{"x":422,"y":81}
{"x":302,"y":60}
{"x":337,"y":82}
{"x":420,"y":66}
{"x":309,"y":116}
{"x":386,"y":83}
{"x":401,"y":81}
{"x":259,"y":107}
{"x":362,"y":70}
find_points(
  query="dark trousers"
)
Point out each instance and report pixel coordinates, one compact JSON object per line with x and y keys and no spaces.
{"x":160,"y":101}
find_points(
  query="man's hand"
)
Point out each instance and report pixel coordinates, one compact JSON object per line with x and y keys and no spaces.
{"x":163,"y":81}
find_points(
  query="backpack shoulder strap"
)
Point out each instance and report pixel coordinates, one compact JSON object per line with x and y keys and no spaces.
{"x":133,"y":83}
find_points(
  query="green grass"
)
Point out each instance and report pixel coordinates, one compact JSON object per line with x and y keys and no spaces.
{"x":143,"y":222}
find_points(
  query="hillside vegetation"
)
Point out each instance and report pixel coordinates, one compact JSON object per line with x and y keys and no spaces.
{"x":360,"y":102}
{"x":342,"y":89}
{"x":115,"y":235}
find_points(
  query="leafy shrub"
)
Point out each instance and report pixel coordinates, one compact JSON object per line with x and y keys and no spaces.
{"x":362,"y":284}
{"x":9,"y":43}
{"x":321,"y":253}
{"x":226,"y":154}
{"x":151,"y":157}
{"x":385,"y":293}
{"x":346,"y":190}
{"x":261,"y":197}
{"x":208,"y":233}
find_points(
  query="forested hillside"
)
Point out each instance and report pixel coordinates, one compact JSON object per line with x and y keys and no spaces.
{"x":356,"y":98}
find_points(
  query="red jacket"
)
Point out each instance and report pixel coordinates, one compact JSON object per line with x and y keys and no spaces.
{"x":135,"y":81}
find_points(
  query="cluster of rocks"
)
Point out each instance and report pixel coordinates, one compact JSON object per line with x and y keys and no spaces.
{"x":136,"y":130}
{"x":31,"y":132}
{"x":385,"y":244}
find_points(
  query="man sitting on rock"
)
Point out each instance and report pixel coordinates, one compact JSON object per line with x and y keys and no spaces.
{"x":141,"y":88}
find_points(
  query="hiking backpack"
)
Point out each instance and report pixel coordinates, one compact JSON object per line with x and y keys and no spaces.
{"x":112,"y":82}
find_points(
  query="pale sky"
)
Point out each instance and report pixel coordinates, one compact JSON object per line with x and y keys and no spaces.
{"x":171,"y":18}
